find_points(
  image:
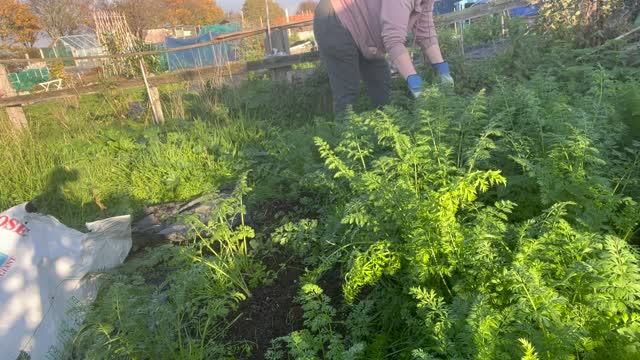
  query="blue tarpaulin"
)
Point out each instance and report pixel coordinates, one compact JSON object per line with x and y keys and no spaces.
{"x":525,"y":11}
{"x":215,"y":55}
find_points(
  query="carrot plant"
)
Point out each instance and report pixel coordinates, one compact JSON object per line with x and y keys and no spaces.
{"x":437,"y":257}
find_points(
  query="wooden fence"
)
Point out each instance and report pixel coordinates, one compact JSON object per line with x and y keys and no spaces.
{"x":14,"y":102}
{"x":199,"y":74}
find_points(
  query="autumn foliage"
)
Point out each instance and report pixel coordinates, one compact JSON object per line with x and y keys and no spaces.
{"x":255,"y":10}
{"x":147,"y":14}
{"x":306,"y":6}
{"x":18,"y":25}
{"x":193,"y":12}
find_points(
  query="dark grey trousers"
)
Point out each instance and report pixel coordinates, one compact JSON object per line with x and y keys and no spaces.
{"x":345,"y":63}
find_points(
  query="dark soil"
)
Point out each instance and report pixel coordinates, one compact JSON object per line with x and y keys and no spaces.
{"x":331,"y":284}
{"x":269,"y":214}
{"x":141,"y":243}
{"x":485,"y":51}
{"x":271,"y":312}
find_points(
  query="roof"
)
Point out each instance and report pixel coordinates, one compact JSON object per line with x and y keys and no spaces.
{"x":155,"y":36}
{"x":6,"y":54}
{"x":85,"y":41}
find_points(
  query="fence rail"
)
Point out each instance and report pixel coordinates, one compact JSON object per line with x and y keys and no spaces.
{"x":275,"y":63}
{"x":199,"y":74}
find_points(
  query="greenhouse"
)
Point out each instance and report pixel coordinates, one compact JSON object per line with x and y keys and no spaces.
{"x":75,"y":46}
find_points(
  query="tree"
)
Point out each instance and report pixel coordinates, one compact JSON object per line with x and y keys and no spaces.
{"x":193,"y":12}
{"x":61,"y":17}
{"x":233,"y":16}
{"x":589,"y":20}
{"x":306,"y":7}
{"x":254,"y":10}
{"x":17,"y":24}
{"x":141,"y":14}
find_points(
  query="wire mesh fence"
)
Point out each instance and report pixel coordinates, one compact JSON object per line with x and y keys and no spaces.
{"x":28,"y":79}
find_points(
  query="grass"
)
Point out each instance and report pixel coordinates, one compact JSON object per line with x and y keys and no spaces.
{"x":82,"y":161}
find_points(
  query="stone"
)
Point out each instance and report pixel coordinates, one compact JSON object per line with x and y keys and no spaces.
{"x":136,"y":110}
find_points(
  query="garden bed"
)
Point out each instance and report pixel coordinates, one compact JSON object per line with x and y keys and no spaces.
{"x":495,"y":221}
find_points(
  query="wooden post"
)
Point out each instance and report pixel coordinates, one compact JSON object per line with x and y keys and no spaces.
{"x":286,"y":12}
{"x":270,"y":50}
{"x":15,"y":113}
{"x":154,"y":97}
{"x":213,"y":51}
{"x":462,"y":39}
{"x":156,"y":105}
{"x":282,"y":74}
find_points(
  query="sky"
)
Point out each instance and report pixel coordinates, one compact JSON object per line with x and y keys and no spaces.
{"x":292,"y":5}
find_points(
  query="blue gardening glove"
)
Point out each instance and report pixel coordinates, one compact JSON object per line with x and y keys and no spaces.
{"x":443,"y":71}
{"x":415,"y":84}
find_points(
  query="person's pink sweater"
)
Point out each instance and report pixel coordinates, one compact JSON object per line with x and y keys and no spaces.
{"x":381,"y":26}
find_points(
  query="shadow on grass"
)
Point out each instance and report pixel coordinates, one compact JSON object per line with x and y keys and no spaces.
{"x":59,"y":201}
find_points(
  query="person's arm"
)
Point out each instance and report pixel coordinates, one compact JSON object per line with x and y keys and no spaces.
{"x":395,"y":20}
{"x":427,"y":37}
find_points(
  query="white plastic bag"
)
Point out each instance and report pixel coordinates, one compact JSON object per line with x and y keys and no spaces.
{"x":43,"y":271}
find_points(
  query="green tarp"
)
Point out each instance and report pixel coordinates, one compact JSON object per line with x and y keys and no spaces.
{"x":221,"y":28}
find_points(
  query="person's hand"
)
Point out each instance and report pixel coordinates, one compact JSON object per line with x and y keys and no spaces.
{"x":415,"y":84}
{"x":443,"y":72}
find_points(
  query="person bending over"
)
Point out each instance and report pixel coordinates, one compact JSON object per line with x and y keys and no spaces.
{"x":354,"y":37}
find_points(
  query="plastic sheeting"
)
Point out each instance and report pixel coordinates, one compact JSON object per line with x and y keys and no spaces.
{"x":221,"y":28}
{"x":525,"y":11}
{"x":55,"y":52}
{"x":215,"y":55}
{"x":45,"y":270}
